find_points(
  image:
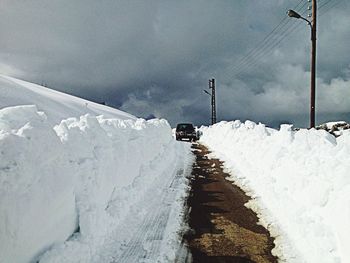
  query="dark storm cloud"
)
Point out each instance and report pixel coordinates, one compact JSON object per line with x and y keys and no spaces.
{"x":154,"y":58}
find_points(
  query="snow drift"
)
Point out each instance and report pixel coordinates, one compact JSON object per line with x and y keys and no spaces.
{"x":302,"y":180}
{"x":73,"y":176}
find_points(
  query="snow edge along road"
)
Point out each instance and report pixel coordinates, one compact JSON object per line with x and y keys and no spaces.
{"x":298,"y":181}
{"x":57,"y":181}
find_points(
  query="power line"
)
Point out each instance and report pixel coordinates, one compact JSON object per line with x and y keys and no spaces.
{"x":268,"y":50}
{"x":331,"y":6}
{"x":263,"y":41}
{"x":267,"y":38}
{"x":268,"y":41}
{"x":279,"y":27}
{"x":322,"y":5}
{"x":275,"y":38}
{"x":262,"y":45}
{"x":265,"y":51}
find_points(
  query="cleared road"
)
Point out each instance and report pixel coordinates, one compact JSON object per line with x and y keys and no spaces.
{"x":223,"y":229}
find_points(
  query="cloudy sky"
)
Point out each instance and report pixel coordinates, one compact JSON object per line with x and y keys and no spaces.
{"x":155,"y":57}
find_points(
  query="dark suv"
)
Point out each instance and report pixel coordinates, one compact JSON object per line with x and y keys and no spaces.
{"x":186,"y":131}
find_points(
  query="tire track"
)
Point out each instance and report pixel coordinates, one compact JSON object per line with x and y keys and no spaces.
{"x":146,"y":241}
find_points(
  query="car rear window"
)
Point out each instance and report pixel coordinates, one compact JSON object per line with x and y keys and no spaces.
{"x":184,"y":127}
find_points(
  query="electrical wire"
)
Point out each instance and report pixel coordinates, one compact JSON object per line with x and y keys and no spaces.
{"x":264,"y":52}
{"x":268,"y":42}
{"x":284,"y":29}
{"x":265,"y":42}
{"x":322,"y":5}
{"x":331,"y":6}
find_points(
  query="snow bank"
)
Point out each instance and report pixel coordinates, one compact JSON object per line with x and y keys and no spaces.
{"x":80,"y":176}
{"x":300,"y":178}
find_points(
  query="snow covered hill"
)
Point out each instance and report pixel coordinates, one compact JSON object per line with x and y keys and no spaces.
{"x":56,"y":105}
{"x":299,"y":181}
{"x":76,"y":178}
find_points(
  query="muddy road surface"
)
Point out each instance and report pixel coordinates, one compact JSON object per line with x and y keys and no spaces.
{"x":222,"y":228}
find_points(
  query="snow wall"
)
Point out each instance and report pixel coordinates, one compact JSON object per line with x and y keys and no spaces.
{"x":301,"y":181}
{"x":55,"y":181}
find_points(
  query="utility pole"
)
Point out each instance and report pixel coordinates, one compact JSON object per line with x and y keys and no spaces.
{"x":213,"y":103}
{"x":313,"y":26}
{"x":313,"y":63}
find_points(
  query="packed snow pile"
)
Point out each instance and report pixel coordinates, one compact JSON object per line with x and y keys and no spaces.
{"x":301,"y":181}
{"x":69,"y":191}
